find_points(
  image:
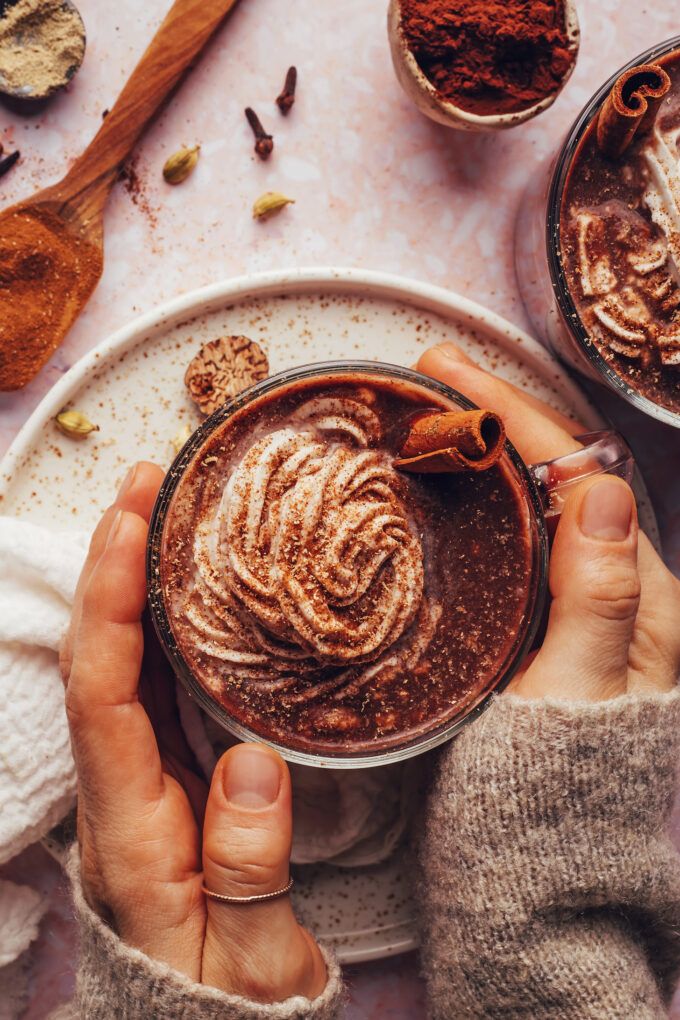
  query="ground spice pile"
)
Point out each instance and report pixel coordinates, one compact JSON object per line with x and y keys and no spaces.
{"x":489,"y":56}
{"x":42,"y":43}
{"x":46,"y":275}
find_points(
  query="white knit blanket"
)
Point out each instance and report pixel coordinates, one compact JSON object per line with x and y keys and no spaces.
{"x":38,"y":575}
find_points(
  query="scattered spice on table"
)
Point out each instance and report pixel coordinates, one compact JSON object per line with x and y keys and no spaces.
{"x":264,"y":143}
{"x":133,"y":183}
{"x":490,"y":56}
{"x":286,"y":97}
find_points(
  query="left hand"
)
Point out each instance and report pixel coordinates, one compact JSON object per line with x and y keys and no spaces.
{"x":150,"y":833}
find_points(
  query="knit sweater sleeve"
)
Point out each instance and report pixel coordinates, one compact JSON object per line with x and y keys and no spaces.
{"x":551,"y":888}
{"x":117,"y":981}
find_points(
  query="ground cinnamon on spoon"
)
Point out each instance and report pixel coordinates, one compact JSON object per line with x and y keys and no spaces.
{"x":46,"y":272}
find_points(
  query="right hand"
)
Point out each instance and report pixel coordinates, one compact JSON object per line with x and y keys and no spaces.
{"x":614,"y":625}
{"x":150,"y":832}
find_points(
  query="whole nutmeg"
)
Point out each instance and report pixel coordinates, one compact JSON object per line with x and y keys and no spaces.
{"x":222,"y":368}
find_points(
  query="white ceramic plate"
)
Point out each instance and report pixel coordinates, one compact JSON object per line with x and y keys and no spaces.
{"x":131,"y":386}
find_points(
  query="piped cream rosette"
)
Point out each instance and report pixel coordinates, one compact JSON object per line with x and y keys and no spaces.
{"x":635,"y":300}
{"x":311,"y":561}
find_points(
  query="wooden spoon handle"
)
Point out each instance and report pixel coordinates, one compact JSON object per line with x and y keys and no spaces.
{"x":186,"y":29}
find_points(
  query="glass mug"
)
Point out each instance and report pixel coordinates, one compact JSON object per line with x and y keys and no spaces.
{"x":543,"y":488}
{"x":538,"y":263}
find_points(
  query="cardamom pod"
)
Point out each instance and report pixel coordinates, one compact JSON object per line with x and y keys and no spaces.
{"x":178,"y":166}
{"x":75,"y":424}
{"x":269,"y":204}
{"x":180,"y":438}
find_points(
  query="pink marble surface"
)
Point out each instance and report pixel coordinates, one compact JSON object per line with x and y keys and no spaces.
{"x":376,"y":185}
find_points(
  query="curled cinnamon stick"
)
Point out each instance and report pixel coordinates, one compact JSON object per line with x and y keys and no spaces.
{"x":452,"y":441}
{"x":631,"y":107}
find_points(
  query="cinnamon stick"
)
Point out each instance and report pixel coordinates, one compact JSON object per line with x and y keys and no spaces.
{"x":452,"y":441}
{"x":631,"y":107}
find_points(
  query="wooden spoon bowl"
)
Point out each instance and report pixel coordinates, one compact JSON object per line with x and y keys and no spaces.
{"x":423,"y":93}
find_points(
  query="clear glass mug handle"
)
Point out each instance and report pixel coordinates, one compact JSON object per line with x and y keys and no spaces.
{"x":603,"y":453}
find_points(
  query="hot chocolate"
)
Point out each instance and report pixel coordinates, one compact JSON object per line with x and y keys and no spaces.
{"x":327,"y":600}
{"x":620,"y":242}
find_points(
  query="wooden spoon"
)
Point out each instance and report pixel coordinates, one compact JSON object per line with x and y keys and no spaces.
{"x":51,"y":245}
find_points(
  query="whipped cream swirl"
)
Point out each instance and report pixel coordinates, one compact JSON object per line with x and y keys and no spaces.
{"x":629,"y":276}
{"x":635,"y":294}
{"x":310,"y":560}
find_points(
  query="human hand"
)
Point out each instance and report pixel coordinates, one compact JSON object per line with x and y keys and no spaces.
{"x":150,"y":833}
{"x":614,"y":624}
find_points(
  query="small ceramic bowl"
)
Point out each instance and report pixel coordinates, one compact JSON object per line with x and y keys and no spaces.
{"x":420,"y":89}
{"x":56,"y":74}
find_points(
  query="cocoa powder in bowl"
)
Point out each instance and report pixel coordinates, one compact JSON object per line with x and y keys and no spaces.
{"x":490,"y":56}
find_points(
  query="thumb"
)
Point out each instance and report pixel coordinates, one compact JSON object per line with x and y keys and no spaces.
{"x":595,"y":586}
{"x":257,"y":950}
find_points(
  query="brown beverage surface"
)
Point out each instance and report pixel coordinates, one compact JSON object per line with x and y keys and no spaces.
{"x":620,"y":244}
{"x":326,"y":600}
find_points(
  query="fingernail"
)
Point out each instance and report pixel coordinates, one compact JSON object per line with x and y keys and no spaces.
{"x":251,"y":777}
{"x":127,"y":481}
{"x":607,"y":511}
{"x":450,"y":351}
{"x":115,"y":528}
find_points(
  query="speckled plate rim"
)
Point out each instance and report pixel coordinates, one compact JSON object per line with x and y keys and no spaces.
{"x":300,"y":280}
{"x":303,"y":280}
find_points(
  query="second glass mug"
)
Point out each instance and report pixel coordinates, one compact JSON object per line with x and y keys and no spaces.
{"x":543,"y":487}
{"x":538,"y":260}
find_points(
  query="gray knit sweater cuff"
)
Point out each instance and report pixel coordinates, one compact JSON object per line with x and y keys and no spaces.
{"x":551,"y":886}
{"x":590,"y":784}
{"x":115,"y":980}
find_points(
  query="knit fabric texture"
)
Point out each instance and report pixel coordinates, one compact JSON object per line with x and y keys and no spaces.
{"x":116,"y":981}
{"x":550,"y":887}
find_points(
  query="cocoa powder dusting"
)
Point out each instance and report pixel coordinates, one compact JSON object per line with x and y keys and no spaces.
{"x":46,"y":274}
{"x":490,"y":56}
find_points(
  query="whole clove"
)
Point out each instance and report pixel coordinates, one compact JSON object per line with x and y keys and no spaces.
{"x":8,"y":162}
{"x":264,"y":143}
{"x":287,"y":97}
